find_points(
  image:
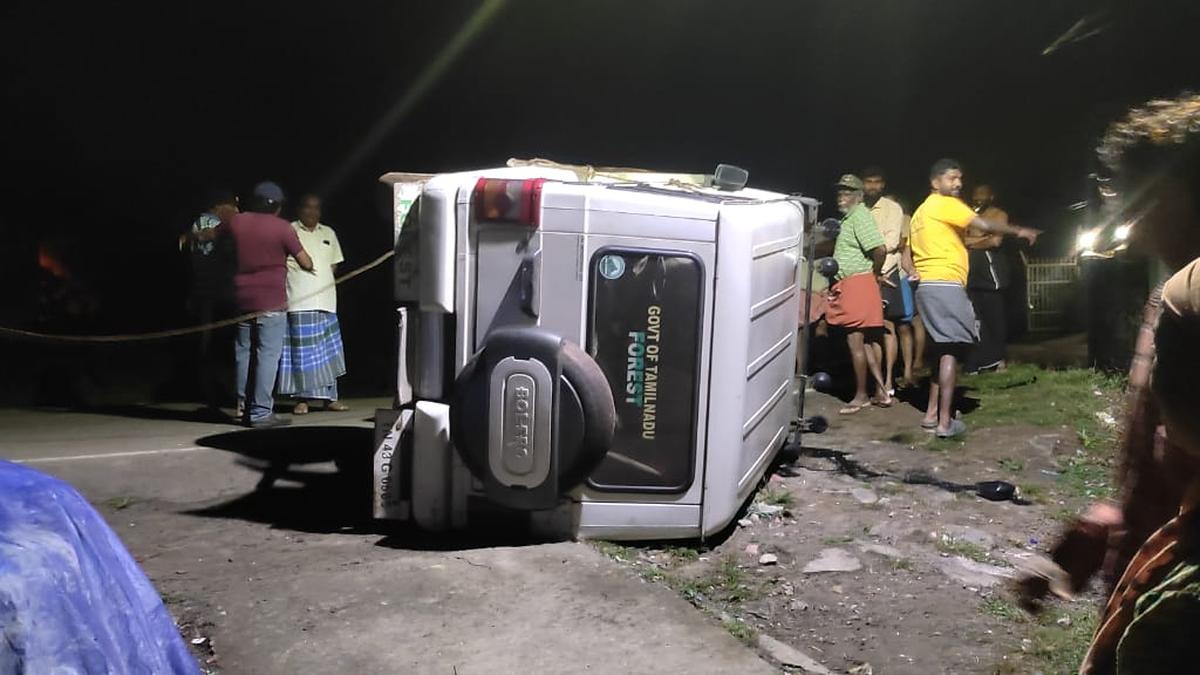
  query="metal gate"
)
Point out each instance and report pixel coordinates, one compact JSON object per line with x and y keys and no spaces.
{"x":1051,"y":284}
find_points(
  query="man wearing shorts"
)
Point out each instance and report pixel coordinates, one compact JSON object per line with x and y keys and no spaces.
{"x":854,"y":302}
{"x":897,"y":295}
{"x":940,"y":258}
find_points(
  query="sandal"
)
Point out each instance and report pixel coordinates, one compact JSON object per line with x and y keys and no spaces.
{"x":878,"y":403}
{"x":336,"y":406}
{"x":300,"y":409}
{"x":851,"y":409}
{"x":957,"y":428}
{"x":929,"y":426}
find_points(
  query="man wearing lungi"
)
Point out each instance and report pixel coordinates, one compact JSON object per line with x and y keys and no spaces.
{"x":313,"y":357}
{"x":941,"y":262}
{"x":854,"y":301}
{"x":264,"y":245}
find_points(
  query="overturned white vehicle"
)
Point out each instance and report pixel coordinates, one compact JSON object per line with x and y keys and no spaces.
{"x":610,"y":353}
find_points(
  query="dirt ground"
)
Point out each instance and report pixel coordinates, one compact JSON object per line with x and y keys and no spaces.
{"x":269,"y":570}
{"x":845,"y":561}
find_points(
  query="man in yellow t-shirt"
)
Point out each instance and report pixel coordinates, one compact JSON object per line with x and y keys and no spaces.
{"x":940,"y":258}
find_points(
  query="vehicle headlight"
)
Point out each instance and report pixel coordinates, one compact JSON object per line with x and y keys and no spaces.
{"x":1086,"y":240}
{"x":1122,"y":232}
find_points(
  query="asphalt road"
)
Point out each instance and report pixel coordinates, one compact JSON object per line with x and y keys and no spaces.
{"x":279,"y":572}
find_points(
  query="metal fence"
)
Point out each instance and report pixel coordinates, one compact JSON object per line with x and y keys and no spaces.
{"x":1051,"y":287}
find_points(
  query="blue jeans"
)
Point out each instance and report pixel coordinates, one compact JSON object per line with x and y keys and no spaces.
{"x":259,"y":344}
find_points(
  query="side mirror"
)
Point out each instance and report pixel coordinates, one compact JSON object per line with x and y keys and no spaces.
{"x":827,"y":267}
{"x":730,"y":178}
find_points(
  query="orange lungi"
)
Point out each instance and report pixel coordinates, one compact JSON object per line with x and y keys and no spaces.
{"x":855,"y":302}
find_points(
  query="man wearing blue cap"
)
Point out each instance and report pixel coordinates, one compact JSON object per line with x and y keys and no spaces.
{"x":263,"y":242}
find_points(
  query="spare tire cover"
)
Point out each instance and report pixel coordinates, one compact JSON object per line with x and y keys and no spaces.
{"x":574,"y":422}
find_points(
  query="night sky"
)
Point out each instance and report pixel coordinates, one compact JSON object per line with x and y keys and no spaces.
{"x":120,"y":115}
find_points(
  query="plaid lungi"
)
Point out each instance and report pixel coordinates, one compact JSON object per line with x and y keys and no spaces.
{"x":312,"y":357}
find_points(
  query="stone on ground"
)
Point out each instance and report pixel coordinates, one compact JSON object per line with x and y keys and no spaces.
{"x":790,"y":656}
{"x":833,"y":560}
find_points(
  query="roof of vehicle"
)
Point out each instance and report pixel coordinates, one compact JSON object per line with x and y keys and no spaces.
{"x":683,"y":185}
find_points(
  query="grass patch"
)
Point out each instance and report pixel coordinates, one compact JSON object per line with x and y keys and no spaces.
{"x":944,"y":444}
{"x":902,"y":565}
{"x":777,"y":497}
{"x":1029,"y":395}
{"x":618,"y":552}
{"x":740,"y":630}
{"x":1051,"y":647}
{"x":725,"y":583}
{"x":120,"y":503}
{"x":652,"y":573}
{"x":1088,"y":474}
{"x":1003,"y":609}
{"x":1065,"y":515}
{"x":1033,"y":493}
{"x":1060,"y":649}
{"x":170,"y":598}
{"x":838,"y":541}
{"x":1074,"y":398}
{"x":732,"y":582}
{"x":963,"y":548}
{"x":1011,"y":465}
{"x":657,"y":567}
{"x":683,"y":554}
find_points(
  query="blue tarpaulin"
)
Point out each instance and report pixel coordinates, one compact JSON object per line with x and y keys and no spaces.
{"x":72,"y":599}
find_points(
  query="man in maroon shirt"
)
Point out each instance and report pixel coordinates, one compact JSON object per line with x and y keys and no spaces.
{"x":263,"y":241}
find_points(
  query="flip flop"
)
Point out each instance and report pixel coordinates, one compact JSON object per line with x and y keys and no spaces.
{"x":957,"y":428}
{"x":851,"y":409}
{"x":876,"y":402}
{"x":929,"y":426}
{"x":336,"y":406}
{"x":300,"y":409}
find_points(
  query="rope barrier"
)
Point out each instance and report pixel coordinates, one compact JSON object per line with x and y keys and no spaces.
{"x":190,"y":330}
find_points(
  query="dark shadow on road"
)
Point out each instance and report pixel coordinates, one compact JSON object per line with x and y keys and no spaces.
{"x":151,"y":412}
{"x":181,"y":413}
{"x":297,"y":445}
{"x":488,"y":531}
{"x":317,"y":479}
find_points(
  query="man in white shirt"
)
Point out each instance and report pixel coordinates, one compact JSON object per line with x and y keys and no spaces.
{"x":313,"y":357}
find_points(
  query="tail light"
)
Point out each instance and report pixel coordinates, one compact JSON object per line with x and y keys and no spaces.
{"x":509,"y":201}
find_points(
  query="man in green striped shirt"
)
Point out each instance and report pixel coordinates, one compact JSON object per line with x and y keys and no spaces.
{"x":855,"y":304}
